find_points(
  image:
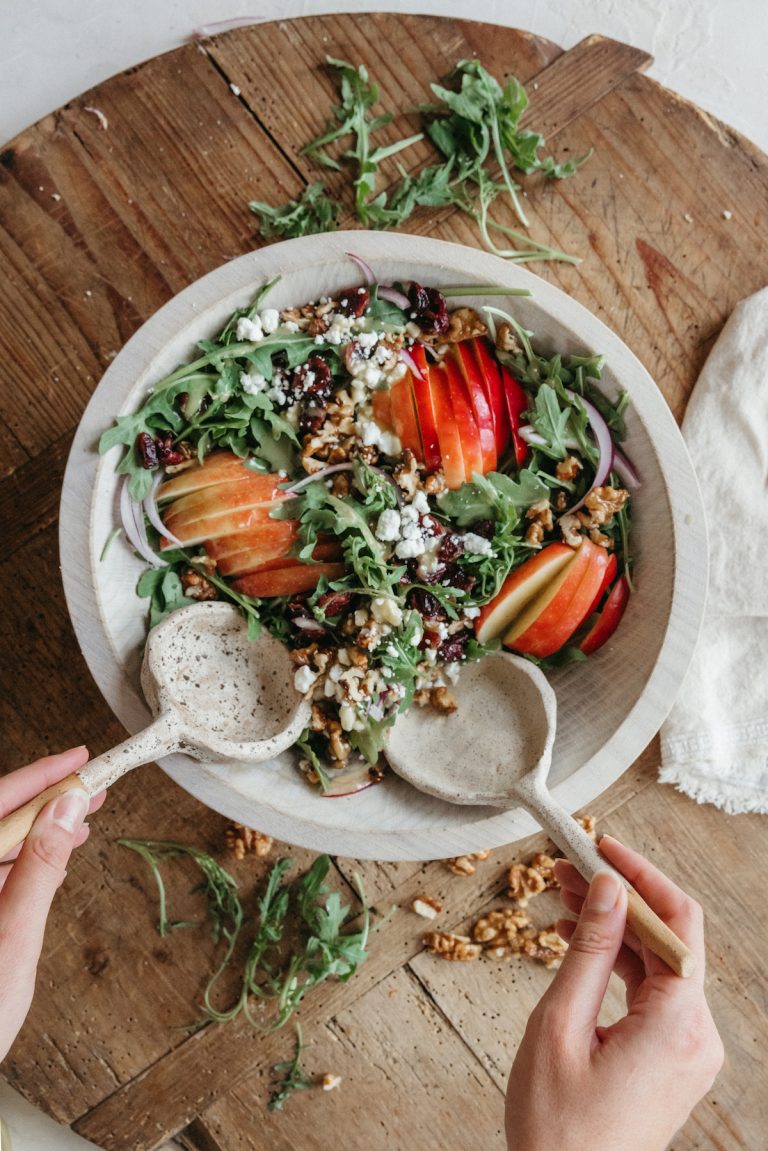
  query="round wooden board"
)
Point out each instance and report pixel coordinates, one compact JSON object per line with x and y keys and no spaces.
{"x":99,"y":228}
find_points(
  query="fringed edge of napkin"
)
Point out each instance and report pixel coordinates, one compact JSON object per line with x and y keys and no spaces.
{"x":733,"y":777}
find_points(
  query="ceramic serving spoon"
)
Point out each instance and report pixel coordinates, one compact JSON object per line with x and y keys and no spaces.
{"x":496,"y":750}
{"x":215,"y":694}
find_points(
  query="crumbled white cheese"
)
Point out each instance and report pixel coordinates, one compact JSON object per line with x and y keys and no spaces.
{"x":270,"y":320}
{"x":420,"y":502}
{"x":384,"y":609}
{"x":368,"y":340}
{"x":303,"y":678}
{"x":410,"y":549}
{"x":291,"y":326}
{"x":377,"y":437}
{"x":475,"y":545}
{"x":388,"y":527}
{"x":471,"y":612}
{"x":235,"y":90}
{"x":249,"y":329}
{"x":252,"y":383}
{"x":339,"y":330}
{"x":361,"y":617}
{"x":727,"y":214}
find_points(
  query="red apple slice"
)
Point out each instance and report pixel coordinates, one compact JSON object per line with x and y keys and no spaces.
{"x":448,"y":434}
{"x":217,"y":468}
{"x":608,"y":620}
{"x":517,"y":403}
{"x":425,"y":411}
{"x":247,"y":492}
{"x":481,"y":407}
{"x":287,"y":580}
{"x":404,"y":416}
{"x":610,"y":572}
{"x":550,"y":620}
{"x":199,"y":528}
{"x":519,"y":588}
{"x":261,"y":558}
{"x":490,"y":376}
{"x":381,"y":406}
{"x":466,"y":423}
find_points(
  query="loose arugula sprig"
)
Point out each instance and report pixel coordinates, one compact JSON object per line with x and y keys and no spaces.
{"x":474,"y":128}
{"x":290,"y":1075}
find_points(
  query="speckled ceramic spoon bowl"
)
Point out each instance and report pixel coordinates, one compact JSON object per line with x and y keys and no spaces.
{"x":496,"y":750}
{"x":215,"y":694}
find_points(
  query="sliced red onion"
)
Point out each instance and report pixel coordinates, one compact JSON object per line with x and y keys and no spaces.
{"x":153,"y":515}
{"x":626,"y":470}
{"x":411,"y":364}
{"x":602,"y":434}
{"x":349,"y":781}
{"x":366,"y":269}
{"x":321,"y":475}
{"x":306,"y":623}
{"x":399,"y":299}
{"x":132,"y":518}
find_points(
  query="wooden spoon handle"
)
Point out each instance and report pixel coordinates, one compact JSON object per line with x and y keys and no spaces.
{"x":15,"y":828}
{"x":572,"y":839}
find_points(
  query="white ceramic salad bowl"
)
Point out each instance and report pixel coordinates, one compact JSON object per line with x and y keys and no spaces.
{"x":609,"y":707}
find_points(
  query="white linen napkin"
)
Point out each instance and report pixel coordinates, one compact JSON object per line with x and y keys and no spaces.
{"x":714,"y":746}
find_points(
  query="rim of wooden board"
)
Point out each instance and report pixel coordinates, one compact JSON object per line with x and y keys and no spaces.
{"x":609,"y":708}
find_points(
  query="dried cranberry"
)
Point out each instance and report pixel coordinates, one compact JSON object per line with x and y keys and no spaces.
{"x":147,"y":450}
{"x":310,"y":420}
{"x":459,"y":577}
{"x":427,"y":605}
{"x":451,"y":547}
{"x":430,"y":308}
{"x":353,"y":301}
{"x":484,"y":528}
{"x":311,"y":381}
{"x":454,"y":647}
{"x":334,"y":603}
{"x":166,"y":452}
{"x":436,"y":575}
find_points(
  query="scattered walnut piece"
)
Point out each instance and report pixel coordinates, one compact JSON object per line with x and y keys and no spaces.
{"x":527,"y":880}
{"x":464,"y":324}
{"x":548,"y":947}
{"x":604,"y":502}
{"x":535,"y":535}
{"x":568,"y":468}
{"x":570,"y":527}
{"x":331,"y":1081}
{"x":434,"y":483}
{"x":406,"y":474}
{"x":450,"y":946}
{"x":196,"y":586}
{"x":439,"y":698}
{"x":426,"y":906}
{"x":506,"y":339}
{"x":465,"y":864}
{"x":244,"y":840}
{"x":505,"y":928}
{"x":589,"y":823}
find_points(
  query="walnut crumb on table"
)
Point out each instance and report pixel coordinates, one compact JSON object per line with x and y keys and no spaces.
{"x":465,"y":864}
{"x":426,"y":906}
{"x":331,"y":1082}
{"x":242,"y":841}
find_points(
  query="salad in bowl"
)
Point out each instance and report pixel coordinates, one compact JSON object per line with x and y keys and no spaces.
{"x":394,"y":479}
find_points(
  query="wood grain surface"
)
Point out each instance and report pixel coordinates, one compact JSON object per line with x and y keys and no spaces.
{"x":98,"y":227}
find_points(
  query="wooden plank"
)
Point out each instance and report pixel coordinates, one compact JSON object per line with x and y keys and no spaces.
{"x":406,"y":1076}
{"x":29,"y":496}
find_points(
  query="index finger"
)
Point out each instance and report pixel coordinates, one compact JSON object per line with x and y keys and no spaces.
{"x":679,"y":910}
{"x":20,"y":786}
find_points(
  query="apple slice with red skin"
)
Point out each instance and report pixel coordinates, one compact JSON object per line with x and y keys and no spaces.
{"x":247,"y":560}
{"x":478,"y":399}
{"x":517,"y":403}
{"x":464,"y":418}
{"x":490,"y":377}
{"x":550,"y":620}
{"x":425,"y":410}
{"x":249,"y":491}
{"x":200,"y":528}
{"x":217,"y":468}
{"x":610,"y":574}
{"x":381,"y":406}
{"x":448,"y":434}
{"x":519,"y":588}
{"x":403,"y":406}
{"x":290,"y":579}
{"x":608,"y":620}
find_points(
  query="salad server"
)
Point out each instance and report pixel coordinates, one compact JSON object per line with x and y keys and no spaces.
{"x":215,"y":694}
{"x":496,"y":750}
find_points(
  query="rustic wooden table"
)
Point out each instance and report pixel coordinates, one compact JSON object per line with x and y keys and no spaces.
{"x":100,"y":226}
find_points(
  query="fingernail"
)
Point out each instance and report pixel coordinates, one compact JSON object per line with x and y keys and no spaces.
{"x":70,"y":809}
{"x":604,"y":891}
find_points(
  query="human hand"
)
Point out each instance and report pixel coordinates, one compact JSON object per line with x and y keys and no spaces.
{"x":31,"y":875}
{"x":631,"y":1086}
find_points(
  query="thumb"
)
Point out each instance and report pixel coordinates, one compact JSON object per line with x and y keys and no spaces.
{"x":580,"y":984}
{"x":38,"y":872}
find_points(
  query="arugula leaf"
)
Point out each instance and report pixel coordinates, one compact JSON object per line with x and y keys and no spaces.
{"x":492,"y":496}
{"x":313,"y":211}
{"x":291,"y":1077}
{"x":551,"y":421}
{"x":162,"y":586}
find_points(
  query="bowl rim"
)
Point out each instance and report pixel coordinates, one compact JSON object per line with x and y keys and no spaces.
{"x":686,"y":611}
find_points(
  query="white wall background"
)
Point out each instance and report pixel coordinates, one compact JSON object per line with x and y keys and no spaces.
{"x":714,"y":52}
